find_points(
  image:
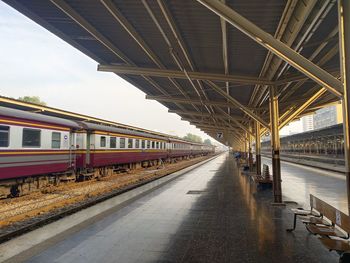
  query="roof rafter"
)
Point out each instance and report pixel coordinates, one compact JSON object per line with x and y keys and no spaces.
{"x":238,"y":104}
{"x":201,"y":102}
{"x":277,"y":47}
{"x":166,"y":73}
{"x":118,"y":16}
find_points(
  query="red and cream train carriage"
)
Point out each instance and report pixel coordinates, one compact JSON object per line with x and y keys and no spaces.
{"x":103,"y":146}
{"x":36,"y":149}
{"x":32,"y":144}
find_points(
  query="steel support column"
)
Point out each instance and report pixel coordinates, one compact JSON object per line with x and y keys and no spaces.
{"x":344,"y":43}
{"x":275,"y":145}
{"x":245,"y":148}
{"x":257,"y":148}
{"x":250,"y":153}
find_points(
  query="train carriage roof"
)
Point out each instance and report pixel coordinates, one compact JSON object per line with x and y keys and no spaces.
{"x":97,"y":127}
{"x":20,"y":114}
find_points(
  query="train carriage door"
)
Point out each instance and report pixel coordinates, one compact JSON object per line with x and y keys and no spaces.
{"x":88,"y":147}
{"x":72,"y":153}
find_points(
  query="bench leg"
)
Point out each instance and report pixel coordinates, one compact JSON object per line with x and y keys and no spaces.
{"x":294,"y":224}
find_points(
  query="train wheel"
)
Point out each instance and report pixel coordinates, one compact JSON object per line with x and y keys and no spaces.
{"x":14,"y":192}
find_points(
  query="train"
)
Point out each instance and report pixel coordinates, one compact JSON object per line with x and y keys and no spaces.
{"x":38,"y":150}
{"x":324,"y":145}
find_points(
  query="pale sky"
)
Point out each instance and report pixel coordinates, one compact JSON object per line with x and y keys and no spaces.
{"x":35,"y":62}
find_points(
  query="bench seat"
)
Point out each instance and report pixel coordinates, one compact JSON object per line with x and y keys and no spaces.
{"x":261,"y":180}
{"x":302,"y":212}
{"x":335,"y":244}
{"x":325,"y":231}
{"x":309,"y":219}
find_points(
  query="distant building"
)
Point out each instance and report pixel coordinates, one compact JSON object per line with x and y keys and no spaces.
{"x":308,"y":123}
{"x":328,"y":116}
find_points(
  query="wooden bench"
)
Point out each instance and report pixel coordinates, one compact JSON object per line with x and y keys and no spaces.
{"x":265,"y":178}
{"x":330,"y":224}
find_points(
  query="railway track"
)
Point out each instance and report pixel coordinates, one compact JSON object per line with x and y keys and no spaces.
{"x":19,"y":218}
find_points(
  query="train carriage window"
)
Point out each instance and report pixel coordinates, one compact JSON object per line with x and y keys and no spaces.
{"x":103,"y":141}
{"x":157,"y":145}
{"x":143,"y":144}
{"x":130,"y":143}
{"x":113,"y":142}
{"x":56,"y":140}
{"x":153,"y":145}
{"x":122,"y":142}
{"x":31,"y":138}
{"x":137,"y":144}
{"x":4,"y":136}
{"x":148,"y":144}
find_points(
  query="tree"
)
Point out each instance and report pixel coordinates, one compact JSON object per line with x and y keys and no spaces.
{"x":33,"y":99}
{"x":193,"y":138}
{"x":207,"y":142}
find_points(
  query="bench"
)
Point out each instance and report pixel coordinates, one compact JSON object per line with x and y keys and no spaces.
{"x":330,"y":224}
{"x":265,"y":178}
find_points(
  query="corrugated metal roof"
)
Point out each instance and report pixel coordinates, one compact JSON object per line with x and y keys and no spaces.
{"x":201,"y":33}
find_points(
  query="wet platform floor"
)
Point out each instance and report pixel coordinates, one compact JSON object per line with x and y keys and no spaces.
{"x":299,"y":181}
{"x":211,"y":214}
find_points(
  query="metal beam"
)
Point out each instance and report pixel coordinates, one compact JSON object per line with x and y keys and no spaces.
{"x":235,"y":121}
{"x":236,"y":138}
{"x":200,"y":114}
{"x":237,"y":104}
{"x":322,"y":61}
{"x":223,"y":118}
{"x":344,"y":44}
{"x":113,"y":10}
{"x":194,"y":101}
{"x":66,"y":8}
{"x":199,"y":125}
{"x":110,"y":6}
{"x":296,"y":112}
{"x":225,"y":52}
{"x":291,"y":23}
{"x":168,"y":42}
{"x":250,"y":154}
{"x":222,"y":124}
{"x":62,"y":5}
{"x":277,"y":47}
{"x":257,"y":148}
{"x":297,"y":77}
{"x":166,"y":73}
{"x":169,"y":18}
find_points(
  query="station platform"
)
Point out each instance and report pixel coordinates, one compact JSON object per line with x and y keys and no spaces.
{"x":210,"y":214}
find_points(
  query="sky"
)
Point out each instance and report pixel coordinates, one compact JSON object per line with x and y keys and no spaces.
{"x":34,"y":62}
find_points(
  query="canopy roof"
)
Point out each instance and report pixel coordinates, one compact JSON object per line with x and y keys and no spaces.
{"x":201,"y":59}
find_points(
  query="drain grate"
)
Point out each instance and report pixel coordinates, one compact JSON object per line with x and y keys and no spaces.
{"x":195,"y":192}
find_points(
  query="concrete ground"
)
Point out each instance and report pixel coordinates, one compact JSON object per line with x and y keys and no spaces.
{"x":210,"y":214}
